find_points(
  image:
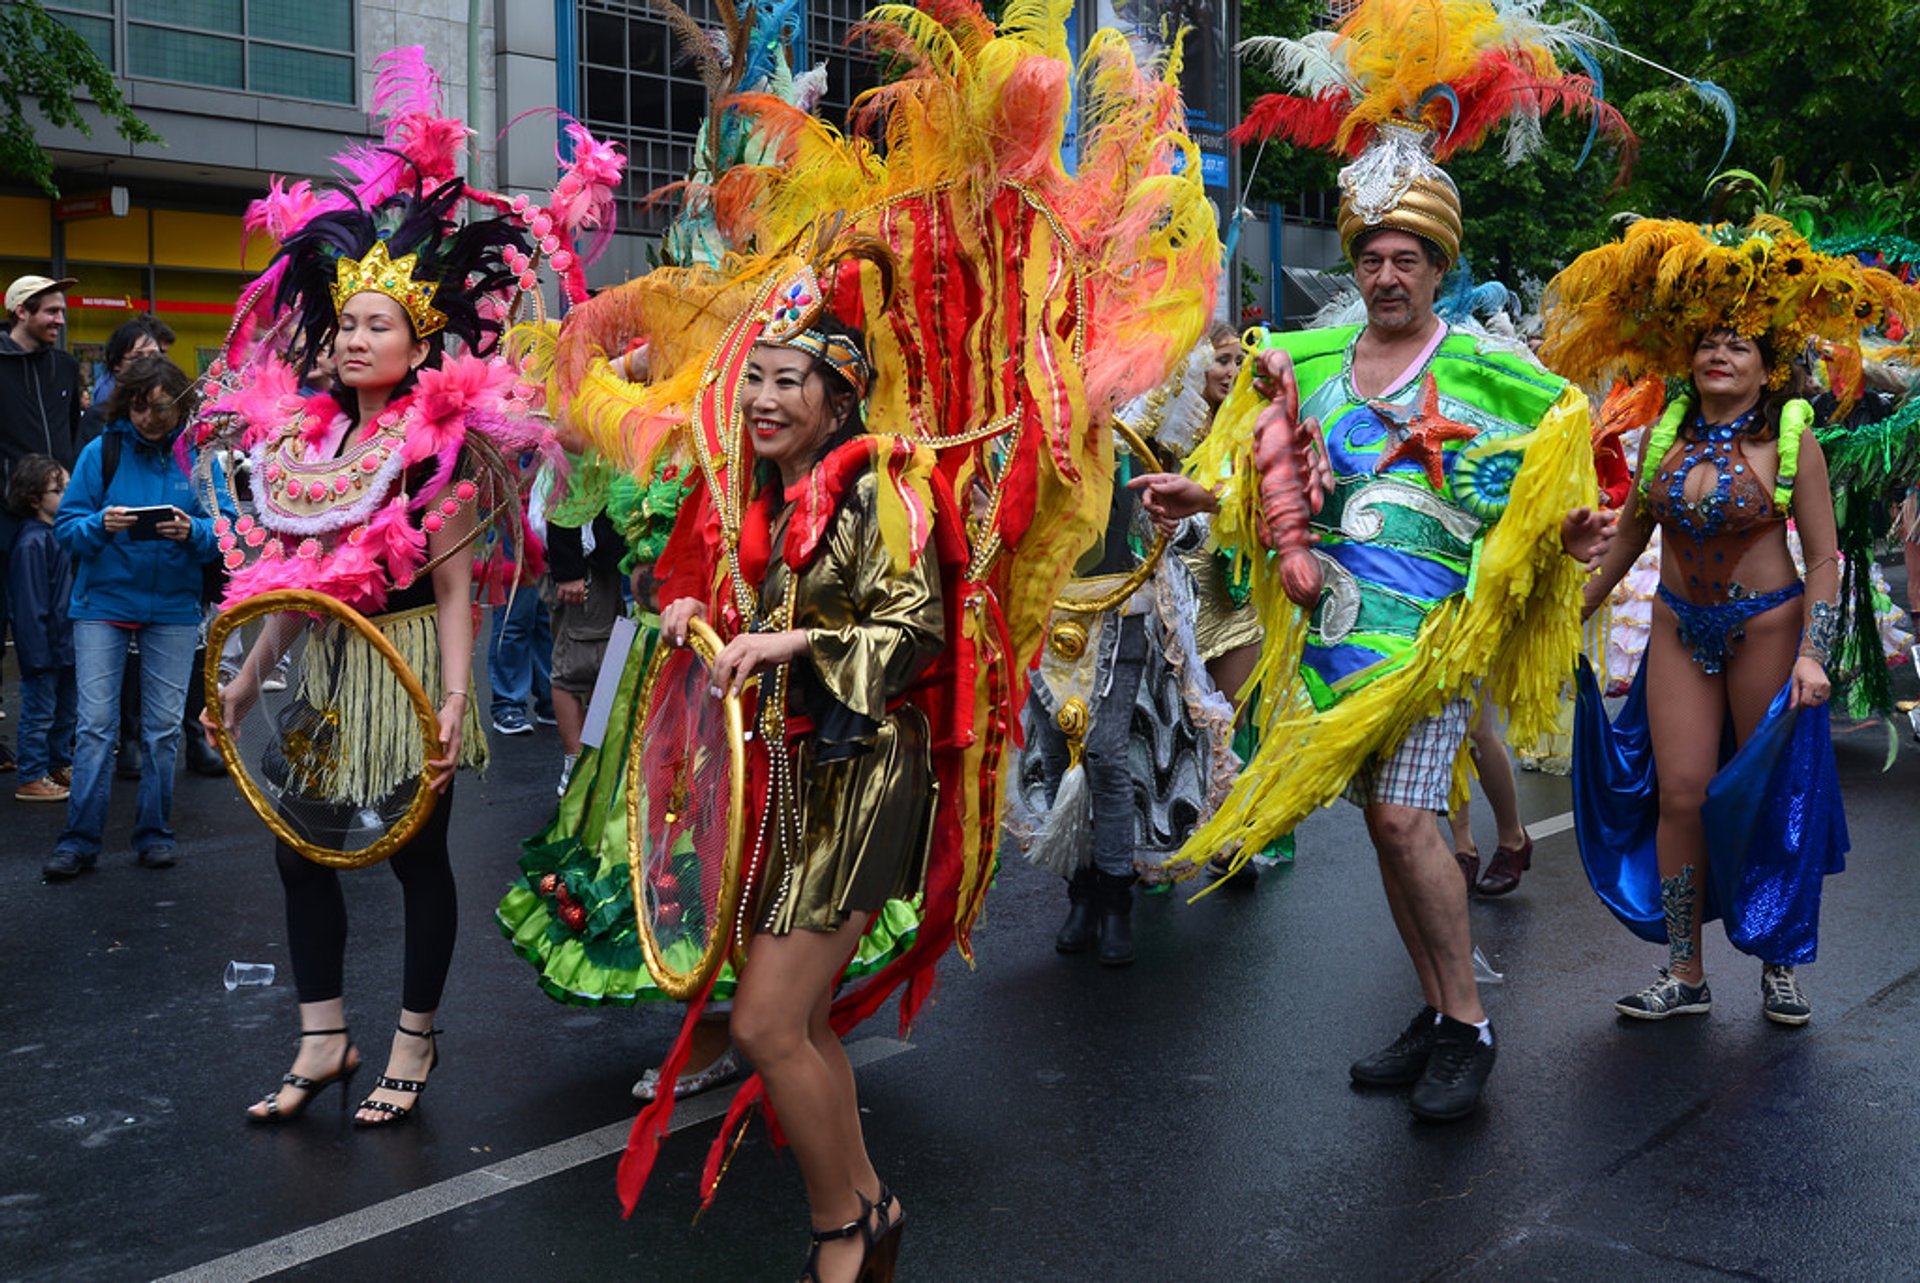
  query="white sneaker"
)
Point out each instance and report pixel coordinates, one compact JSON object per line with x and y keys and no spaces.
{"x":566,"y":773}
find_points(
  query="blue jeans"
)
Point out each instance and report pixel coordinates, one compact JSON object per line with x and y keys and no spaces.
{"x":166,"y":661}
{"x":46,"y":722}
{"x":520,"y":654}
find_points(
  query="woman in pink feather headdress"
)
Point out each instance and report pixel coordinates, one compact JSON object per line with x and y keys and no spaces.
{"x":369,"y":490}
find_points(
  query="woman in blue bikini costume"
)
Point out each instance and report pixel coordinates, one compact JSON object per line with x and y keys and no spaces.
{"x":1742,"y":818}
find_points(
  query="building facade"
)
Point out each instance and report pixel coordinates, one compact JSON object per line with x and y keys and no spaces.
{"x":241,"y":89}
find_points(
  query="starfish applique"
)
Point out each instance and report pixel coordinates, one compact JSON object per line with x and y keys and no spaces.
{"x":1427,"y":432}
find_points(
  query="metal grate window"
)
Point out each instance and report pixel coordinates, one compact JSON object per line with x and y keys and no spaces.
{"x":851,"y":68}
{"x":278,"y":48}
{"x":639,"y":89}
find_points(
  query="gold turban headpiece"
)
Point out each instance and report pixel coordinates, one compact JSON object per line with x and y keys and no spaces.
{"x":1395,"y":184}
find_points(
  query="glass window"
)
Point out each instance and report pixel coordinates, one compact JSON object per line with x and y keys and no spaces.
{"x":281,"y":48}
{"x":162,"y":54}
{"x":97,"y":32}
{"x":606,"y":97}
{"x":299,"y":73}
{"x":302,"y":22}
{"x":194,"y":15}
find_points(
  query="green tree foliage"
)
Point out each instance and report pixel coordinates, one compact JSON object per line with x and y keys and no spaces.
{"x":41,"y":60}
{"x":1830,"y":91}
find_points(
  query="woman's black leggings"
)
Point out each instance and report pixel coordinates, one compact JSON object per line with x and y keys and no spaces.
{"x":317,"y":916}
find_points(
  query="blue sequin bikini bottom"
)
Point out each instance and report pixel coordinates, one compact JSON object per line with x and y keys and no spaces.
{"x":1712,"y":630}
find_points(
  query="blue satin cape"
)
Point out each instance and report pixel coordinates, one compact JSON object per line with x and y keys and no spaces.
{"x":1774,"y":822}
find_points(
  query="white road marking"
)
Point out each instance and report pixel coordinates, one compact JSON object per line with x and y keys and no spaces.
{"x":1551,"y":825}
{"x":354,"y":1228}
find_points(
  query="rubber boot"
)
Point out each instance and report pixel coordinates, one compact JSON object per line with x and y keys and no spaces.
{"x":1076,"y":933}
{"x":1115,"y":894}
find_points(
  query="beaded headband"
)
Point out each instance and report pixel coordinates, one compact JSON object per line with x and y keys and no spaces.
{"x":788,"y":320}
{"x":393,"y":277}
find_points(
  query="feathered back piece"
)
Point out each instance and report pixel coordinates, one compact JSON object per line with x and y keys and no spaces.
{"x":1641,"y":304}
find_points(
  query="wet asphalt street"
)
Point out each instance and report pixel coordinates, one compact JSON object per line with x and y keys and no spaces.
{"x":1188,"y":1118}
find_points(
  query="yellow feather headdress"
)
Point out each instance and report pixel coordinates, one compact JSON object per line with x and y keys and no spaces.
{"x":1642,"y":304}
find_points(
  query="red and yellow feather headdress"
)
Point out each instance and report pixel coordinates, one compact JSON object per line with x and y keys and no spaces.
{"x":1403,"y":84}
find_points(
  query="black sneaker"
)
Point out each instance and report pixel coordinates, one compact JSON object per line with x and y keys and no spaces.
{"x":1401,"y":1062}
{"x":1456,"y":1072}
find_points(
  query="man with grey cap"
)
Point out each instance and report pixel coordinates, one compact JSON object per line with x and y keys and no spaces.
{"x":39,"y":397}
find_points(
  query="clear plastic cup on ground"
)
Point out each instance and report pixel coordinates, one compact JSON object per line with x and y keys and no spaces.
{"x":240,"y":974}
{"x":1483,"y":972}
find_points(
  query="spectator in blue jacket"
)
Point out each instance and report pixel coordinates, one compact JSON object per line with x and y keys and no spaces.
{"x":40,"y":582}
{"x":139,"y":534}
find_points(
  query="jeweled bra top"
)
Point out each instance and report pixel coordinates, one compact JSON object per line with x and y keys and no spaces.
{"x":1712,"y":531}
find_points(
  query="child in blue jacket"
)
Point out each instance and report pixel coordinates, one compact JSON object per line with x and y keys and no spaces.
{"x":40,"y":580}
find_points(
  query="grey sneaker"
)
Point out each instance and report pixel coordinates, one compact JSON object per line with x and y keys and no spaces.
{"x":723,"y":1070}
{"x":1785,"y":1004}
{"x":1667,"y":997}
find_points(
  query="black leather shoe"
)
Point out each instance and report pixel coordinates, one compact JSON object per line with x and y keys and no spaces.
{"x":62,"y":865}
{"x":1401,"y":1062}
{"x":1456,"y":1072}
{"x":1076,"y":933}
{"x":129,"y":761}
{"x":202,"y":757}
{"x":1115,"y":894}
{"x":157,"y":857}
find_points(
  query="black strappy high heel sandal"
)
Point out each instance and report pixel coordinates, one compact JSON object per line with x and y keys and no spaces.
{"x":393,"y":1115}
{"x":810,"y":1272}
{"x":883,"y":1240}
{"x":311,"y":1086}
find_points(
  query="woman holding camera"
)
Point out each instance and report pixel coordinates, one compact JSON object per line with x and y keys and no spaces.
{"x":138,"y":535}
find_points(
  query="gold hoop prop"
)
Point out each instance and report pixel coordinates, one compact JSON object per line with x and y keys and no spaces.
{"x":305,"y":756}
{"x":684,"y":854}
{"x":1132,"y":581}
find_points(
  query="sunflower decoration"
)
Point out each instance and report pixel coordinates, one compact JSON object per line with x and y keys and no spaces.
{"x":1640,"y":305}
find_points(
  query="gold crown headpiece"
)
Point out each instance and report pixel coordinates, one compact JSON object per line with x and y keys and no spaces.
{"x":788,"y":320}
{"x":1644,"y":302}
{"x":393,"y":277}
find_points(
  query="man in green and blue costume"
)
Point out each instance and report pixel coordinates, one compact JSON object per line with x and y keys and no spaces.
{"x":1453,"y":485}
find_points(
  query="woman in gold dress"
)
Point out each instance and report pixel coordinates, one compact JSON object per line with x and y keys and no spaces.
{"x":838,"y":641}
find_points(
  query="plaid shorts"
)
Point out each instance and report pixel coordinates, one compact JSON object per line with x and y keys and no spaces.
{"x":1419,"y":773}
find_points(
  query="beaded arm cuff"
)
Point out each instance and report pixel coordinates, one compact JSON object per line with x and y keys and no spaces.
{"x":1823,"y":627}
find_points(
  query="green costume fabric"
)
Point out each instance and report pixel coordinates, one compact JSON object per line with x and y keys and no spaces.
{"x":1394,"y":544}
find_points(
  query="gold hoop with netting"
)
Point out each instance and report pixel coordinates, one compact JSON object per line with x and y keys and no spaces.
{"x":686,"y":815}
{"x":330,"y":728}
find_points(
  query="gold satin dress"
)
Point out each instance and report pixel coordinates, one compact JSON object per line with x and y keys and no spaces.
{"x":862,"y":779}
